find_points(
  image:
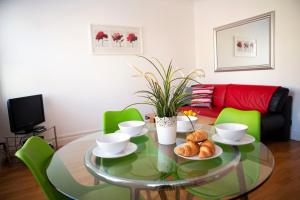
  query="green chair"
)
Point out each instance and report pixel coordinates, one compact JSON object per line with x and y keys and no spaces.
{"x":229,"y":184}
{"x":250,"y":118}
{"x":111,"y":119}
{"x":37,"y":154}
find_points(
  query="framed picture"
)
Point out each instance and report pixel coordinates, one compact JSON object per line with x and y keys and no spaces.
{"x":116,"y":39}
{"x":245,"y":45}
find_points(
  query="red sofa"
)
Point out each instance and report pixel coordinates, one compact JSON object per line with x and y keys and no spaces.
{"x":272,"y":102}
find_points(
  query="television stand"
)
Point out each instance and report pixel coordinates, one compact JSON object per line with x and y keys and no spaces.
{"x":15,"y":142}
{"x":39,"y":129}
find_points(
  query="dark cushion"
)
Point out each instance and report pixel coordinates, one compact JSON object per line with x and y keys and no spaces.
{"x":278,"y":99}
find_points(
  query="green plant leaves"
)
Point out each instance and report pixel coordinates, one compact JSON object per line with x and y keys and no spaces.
{"x":168,"y":93}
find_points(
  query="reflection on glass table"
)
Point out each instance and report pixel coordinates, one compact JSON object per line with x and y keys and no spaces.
{"x":236,"y":171}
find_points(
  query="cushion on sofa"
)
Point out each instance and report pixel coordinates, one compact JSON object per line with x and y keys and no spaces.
{"x":278,"y":99}
{"x":202,"y":96}
{"x":209,"y":112}
{"x":249,"y":97}
{"x":219,"y":93}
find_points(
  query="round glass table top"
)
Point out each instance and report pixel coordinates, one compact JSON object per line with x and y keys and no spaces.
{"x":236,"y":171}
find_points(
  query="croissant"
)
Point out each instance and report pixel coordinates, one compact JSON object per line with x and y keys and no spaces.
{"x":188,"y":149}
{"x":207,"y":149}
{"x":197,"y":136}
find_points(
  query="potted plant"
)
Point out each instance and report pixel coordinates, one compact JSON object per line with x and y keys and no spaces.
{"x":166,"y":94}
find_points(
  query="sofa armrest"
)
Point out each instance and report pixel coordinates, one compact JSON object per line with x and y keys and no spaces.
{"x":278,"y":100}
{"x":287,"y":114}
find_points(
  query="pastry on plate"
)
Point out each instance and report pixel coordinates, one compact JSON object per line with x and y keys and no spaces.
{"x":207,"y":149}
{"x":188,"y":149}
{"x":197,"y":136}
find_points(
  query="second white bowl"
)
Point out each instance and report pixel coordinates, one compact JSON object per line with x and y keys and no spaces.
{"x":131,"y":127}
{"x":231,"y":131}
{"x":184,"y":122}
{"x":113,"y":143}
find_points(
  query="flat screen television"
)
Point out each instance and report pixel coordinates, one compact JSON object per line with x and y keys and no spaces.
{"x":25,"y":113}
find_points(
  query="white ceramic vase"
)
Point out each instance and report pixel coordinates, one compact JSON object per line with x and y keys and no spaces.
{"x":166,"y":130}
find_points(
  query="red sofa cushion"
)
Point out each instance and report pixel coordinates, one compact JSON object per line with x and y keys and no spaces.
{"x":219,"y":94}
{"x":249,"y":97}
{"x":209,"y":112}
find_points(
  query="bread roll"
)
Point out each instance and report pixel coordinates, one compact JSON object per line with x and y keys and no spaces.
{"x":207,"y":149}
{"x":188,"y":149}
{"x":209,"y":144}
{"x":197,"y":136}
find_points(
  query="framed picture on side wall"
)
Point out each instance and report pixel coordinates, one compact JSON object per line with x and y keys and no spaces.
{"x":116,"y":39}
{"x":245,"y":45}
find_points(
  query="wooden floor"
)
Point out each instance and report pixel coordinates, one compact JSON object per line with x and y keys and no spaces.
{"x":17,"y":183}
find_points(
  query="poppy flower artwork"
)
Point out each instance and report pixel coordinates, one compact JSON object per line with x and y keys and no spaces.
{"x":239,"y":44}
{"x":131,"y":37}
{"x":116,"y":39}
{"x":244,"y":47}
{"x":101,"y":36}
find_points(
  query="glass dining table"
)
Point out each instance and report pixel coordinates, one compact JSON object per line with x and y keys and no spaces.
{"x":75,"y":171}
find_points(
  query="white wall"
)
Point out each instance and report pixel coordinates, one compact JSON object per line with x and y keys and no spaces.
{"x":45,"y":48}
{"x":213,"y":13}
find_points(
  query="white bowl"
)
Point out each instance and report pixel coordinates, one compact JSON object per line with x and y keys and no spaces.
{"x":113,"y":143}
{"x":184,"y":123}
{"x":131,"y":127}
{"x":231,"y":131}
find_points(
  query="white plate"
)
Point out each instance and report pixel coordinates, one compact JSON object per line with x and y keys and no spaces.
{"x":247,"y":139}
{"x":218,"y":152}
{"x":184,"y":130}
{"x":144,"y":131}
{"x":131,"y":147}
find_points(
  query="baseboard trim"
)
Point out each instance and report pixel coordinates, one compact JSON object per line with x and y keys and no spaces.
{"x":62,"y":140}
{"x":295,"y":135}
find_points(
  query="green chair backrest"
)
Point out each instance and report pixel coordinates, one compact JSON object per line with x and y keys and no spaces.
{"x":36,"y":154}
{"x":250,"y":118}
{"x":111,"y":119}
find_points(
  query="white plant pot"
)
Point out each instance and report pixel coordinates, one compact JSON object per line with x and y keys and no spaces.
{"x":166,"y":130}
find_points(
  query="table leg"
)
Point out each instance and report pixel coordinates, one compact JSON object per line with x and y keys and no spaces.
{"x":135,"y":194}
{"x":162,"y":194}
{"x":148,"y":194}
{"x":177,"y":193}
{"x":242,"y":181}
